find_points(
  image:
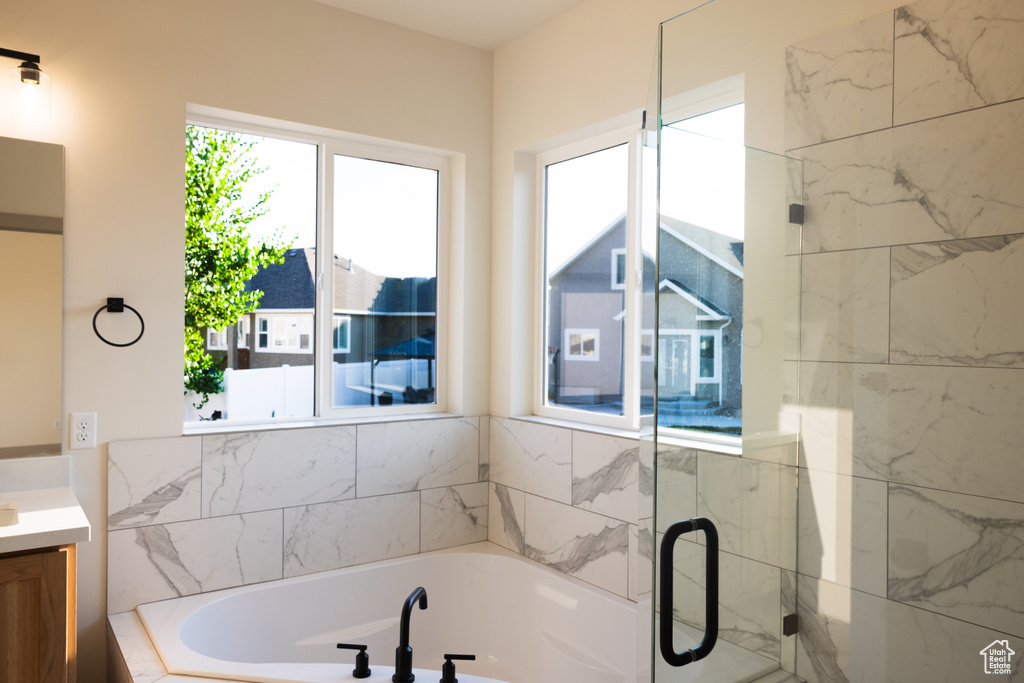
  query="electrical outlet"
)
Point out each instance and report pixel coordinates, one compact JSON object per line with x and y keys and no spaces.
{"x":83,"y":430}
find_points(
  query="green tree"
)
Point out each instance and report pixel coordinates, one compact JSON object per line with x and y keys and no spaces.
{"x":220,"y":258}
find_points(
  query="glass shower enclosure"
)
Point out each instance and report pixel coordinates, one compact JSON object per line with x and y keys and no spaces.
{"x":718,"y":505}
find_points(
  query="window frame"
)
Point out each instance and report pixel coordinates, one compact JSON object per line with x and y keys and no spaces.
{"x":329,"y":143}
{"x":630,"y":417}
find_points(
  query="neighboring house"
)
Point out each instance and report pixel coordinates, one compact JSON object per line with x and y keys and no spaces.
{"x":373,"y":313}
{"x":700,"y":307}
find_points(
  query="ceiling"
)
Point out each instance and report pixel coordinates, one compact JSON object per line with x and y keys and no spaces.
{"x":482,"y":23}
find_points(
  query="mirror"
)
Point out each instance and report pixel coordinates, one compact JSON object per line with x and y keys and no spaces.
{"x":31,"y":242}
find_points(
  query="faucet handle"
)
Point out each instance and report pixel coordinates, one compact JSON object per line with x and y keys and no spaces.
{"x":448,"y":669}
{"x":362,"y":669}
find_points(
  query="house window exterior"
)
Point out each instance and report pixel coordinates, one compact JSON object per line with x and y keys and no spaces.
{"x":583,"y":345}
{"x":286,"y":333}
{"x":619,"y":269}
{"x":216,"y":339}
{"x":341,"y":335}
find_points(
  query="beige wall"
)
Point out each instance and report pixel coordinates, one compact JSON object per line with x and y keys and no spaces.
{"x":122,"y":73}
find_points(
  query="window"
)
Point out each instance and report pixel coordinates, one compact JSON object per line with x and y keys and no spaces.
{"x":344,"y":310}
{"x":618,"y":269}
{"x":342,"y":333}
{"x":647,"y":345}
{"x":586,"y":230}
{"x":286,"y":333}
{"x":216,"y":340}
{"x":597,"y":317}
{"x":582,"y":345}
{"x":242,"y":330}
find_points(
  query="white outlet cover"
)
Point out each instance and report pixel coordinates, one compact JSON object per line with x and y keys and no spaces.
{"x":83,"y":430}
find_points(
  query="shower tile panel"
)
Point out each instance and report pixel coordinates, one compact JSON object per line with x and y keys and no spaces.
{"x":840,"y":84}
{"x":645,"y":477}
{"x":952,"y":56}
{"x":677,"y":485}
{"x":841,"y":522}
{"x":941,"y":179}
{"x":484,"y":456}
{"x":632,"y":564}
{"x":605,"y":474}
{"x":454,"y":515}
{"x":980,"y":284}
{"x":958,"y":555}
{"x":532,"y":457}
{"x":506,"y":518}
{"x":846,"y":635}
{"x":689,"y":569}
{"x":752,"y":503}
{"x":340,"y":534}
{"x":644,"y":556}
{"x":153,"y":481}
{"x":845,"y":306}
{"x":949,"y":428}
{"x":408,"y":456}
{"x":263,"y":470}
{"x":749,"y":607}
{"x":583,"y":544}
{"x":183,"y":558}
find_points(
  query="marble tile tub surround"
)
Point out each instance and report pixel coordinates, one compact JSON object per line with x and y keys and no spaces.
{"x":567,"y":498}
{"x":199,"y":513}
{"x":911,"y":488}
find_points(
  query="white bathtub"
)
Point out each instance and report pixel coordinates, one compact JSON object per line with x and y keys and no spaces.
{"x":525,"y":623}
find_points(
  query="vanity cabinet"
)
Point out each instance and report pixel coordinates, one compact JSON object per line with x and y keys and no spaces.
{"x":37,"y":616}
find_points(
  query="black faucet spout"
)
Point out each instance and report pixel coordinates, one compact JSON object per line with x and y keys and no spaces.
{"x":403,"y":654}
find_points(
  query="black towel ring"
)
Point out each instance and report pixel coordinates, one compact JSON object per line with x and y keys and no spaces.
{"x":117,"y":305}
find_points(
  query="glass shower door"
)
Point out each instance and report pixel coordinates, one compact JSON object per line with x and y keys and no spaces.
{"x":720,"y":526}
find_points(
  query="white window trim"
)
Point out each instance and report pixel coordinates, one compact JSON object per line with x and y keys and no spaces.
{"x":329,"y":143}
{"x":630,"y":418}
{"x":570,"y":332}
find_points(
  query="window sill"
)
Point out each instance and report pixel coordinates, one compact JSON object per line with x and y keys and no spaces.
{"x":583,"y":426}
{"x":218,"y":427}
{"x":733,"y":446}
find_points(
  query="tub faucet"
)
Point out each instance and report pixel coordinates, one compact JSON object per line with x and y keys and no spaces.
{"x":403,"y":654}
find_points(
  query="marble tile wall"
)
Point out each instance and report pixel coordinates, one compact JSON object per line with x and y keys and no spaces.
{"x":911,"y":385}
{"x":199,"y":513}
{"x":567,"y":498}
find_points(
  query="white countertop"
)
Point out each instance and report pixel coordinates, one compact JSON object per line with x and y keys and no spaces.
{"x":46,"y":518}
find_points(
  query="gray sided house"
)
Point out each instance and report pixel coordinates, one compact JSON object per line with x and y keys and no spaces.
{"x":701,"y":312}
{"x":373,"y":315}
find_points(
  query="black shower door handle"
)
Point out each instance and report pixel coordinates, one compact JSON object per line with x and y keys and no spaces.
{"x":668,"y":542}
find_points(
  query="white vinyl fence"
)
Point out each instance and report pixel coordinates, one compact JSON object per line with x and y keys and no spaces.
{"x":287,"y":391}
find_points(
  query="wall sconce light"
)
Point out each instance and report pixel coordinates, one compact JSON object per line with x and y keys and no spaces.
{"x":30,"y":87}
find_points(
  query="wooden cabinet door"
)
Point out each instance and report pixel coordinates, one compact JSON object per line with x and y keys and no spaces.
{"x":37,"y":616}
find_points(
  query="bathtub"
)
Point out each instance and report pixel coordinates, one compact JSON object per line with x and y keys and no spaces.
{"x":525,"y":623}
